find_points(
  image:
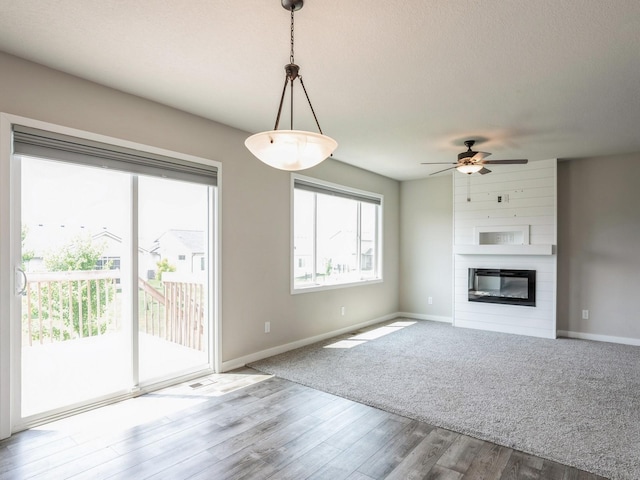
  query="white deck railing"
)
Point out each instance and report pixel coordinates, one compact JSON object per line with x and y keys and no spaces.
{"x":61,"y":306}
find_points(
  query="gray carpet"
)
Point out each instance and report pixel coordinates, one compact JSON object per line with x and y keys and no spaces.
{"x":572,"y":401}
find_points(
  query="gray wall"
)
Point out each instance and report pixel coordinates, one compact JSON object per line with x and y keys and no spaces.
{"x":599,"y":245}
{"x":598,"y":218}
{"x":255,"y":206}
{"x":426,"y":265}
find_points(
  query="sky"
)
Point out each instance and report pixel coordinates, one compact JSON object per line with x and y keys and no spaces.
{"x":60,"y":201}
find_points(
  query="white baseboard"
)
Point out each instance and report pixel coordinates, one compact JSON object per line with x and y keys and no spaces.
{"x":600,"y":338}
{"x":269,"y":352}
{"x":422,"y":316}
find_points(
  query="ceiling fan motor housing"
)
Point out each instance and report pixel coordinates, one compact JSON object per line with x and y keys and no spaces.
{"x":462,"y":157}
{"x":466,"y":155}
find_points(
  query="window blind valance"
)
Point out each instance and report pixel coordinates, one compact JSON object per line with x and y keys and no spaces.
{"x":50,"y":145}
{"x":336,"y":192}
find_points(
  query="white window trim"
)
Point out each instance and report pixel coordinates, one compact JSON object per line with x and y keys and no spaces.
{"x":380,"y":235}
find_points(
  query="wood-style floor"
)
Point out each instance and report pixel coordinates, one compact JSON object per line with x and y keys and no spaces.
{"x":246,"y":425}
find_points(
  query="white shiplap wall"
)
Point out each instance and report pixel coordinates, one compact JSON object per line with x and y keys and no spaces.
{"x":531,"y":191}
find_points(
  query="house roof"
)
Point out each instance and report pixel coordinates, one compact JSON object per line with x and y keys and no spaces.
{"x":42,"y":238}
{"x":193,"y":240}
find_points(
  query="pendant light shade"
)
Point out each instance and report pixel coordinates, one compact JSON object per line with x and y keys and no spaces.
{"x":291,"y":149}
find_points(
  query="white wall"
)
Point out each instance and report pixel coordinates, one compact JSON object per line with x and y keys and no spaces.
{"x":531,"y":191}
{"x":426,"y":233}
{"x":255,"y":206}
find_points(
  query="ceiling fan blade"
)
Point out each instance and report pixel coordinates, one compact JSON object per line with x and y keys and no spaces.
{"x":484,"y":171}
{"x":480,"y":156}
{"x":440,"y":171}
{"x":505,"y":162}
{"x":439,"y":163}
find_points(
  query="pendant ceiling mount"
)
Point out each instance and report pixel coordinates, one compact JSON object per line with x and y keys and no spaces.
{"x":291,"y":149}
{"x":292,"y":4}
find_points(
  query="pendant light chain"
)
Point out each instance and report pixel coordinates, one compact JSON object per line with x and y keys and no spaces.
{"x":291,"y":54}
{"x":291,"y":75}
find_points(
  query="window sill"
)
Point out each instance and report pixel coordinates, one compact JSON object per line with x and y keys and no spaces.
{"x":320,"y":288}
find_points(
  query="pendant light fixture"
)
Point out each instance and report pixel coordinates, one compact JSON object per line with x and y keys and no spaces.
{"x":291,"y":149}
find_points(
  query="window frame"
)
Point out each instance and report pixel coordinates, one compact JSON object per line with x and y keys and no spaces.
{"x":379,"y":230}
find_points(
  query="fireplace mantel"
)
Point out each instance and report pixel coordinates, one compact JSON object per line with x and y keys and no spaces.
{"x":503,"y":249}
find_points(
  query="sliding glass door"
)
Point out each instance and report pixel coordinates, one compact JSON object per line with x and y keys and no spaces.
{"x":115,"y":271}
{"x":74,"y":344}
{"x":173,"y":271}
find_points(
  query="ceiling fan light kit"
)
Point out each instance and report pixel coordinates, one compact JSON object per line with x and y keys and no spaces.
{"x":471,"y":168}
{"x":291,"y":149}
{"x":471,"y":161}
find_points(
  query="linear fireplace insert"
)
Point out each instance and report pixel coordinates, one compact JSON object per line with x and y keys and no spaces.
{"x":510,"y":287}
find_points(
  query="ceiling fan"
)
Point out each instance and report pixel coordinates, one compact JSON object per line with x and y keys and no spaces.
{"x":473,"y":162}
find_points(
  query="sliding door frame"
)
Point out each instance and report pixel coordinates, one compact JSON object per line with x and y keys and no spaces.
{"x":10,"y":305}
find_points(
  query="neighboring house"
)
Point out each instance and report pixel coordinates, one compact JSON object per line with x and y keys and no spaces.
{"x":183,"y":249}
{"x":112,"y":253}
{"x":45,"y":239}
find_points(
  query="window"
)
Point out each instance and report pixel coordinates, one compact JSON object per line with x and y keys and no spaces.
{"x":336,"y":235}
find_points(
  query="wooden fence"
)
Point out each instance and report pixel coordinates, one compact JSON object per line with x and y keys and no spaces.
{"x":61,"y":306}
{"x":177,"y":314}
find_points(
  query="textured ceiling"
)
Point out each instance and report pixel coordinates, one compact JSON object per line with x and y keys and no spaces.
{"x":395,"y":83}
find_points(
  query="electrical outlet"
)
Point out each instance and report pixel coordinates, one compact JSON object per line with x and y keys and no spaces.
{"x":430,"y":300}
{"x":342,"y":311}
{"x":267,"y":327}
{"x":585,"y":314}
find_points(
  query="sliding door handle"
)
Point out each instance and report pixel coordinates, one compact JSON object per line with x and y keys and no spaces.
{"x":21,"y":288}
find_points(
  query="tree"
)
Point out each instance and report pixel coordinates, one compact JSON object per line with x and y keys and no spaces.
{"x":72,"y":300}
{"x":27,"y":255}
{"x":79,"y":254}
{"x":164,"y":266}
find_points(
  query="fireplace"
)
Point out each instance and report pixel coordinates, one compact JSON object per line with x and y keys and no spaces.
{"x":507,"y":287}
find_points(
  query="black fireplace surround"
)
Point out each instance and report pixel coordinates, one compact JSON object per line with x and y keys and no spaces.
{"x":507,"y":287}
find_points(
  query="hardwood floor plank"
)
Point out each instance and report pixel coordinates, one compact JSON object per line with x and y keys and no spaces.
{"x":389,"y":458}
{"x":241,"y":465}
{"x":360,"y":451}
{"x":305,"y":465}
{"x":424,"y":456}
{"x":460,"y":454}
{"x":295,"y":419}
{"x":12,"y":459}
{"x":307,"y":442}
{"x":439,"y":472}
{"x":335,"y":408}
{"x":344,"y":439}
{"x":489,"y":463}
{"x":186,"y":468}
{"x":522,"y":466}
{"x":553,"y":470}
{"x":163,"y":454}
{"x":359,"y":476}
